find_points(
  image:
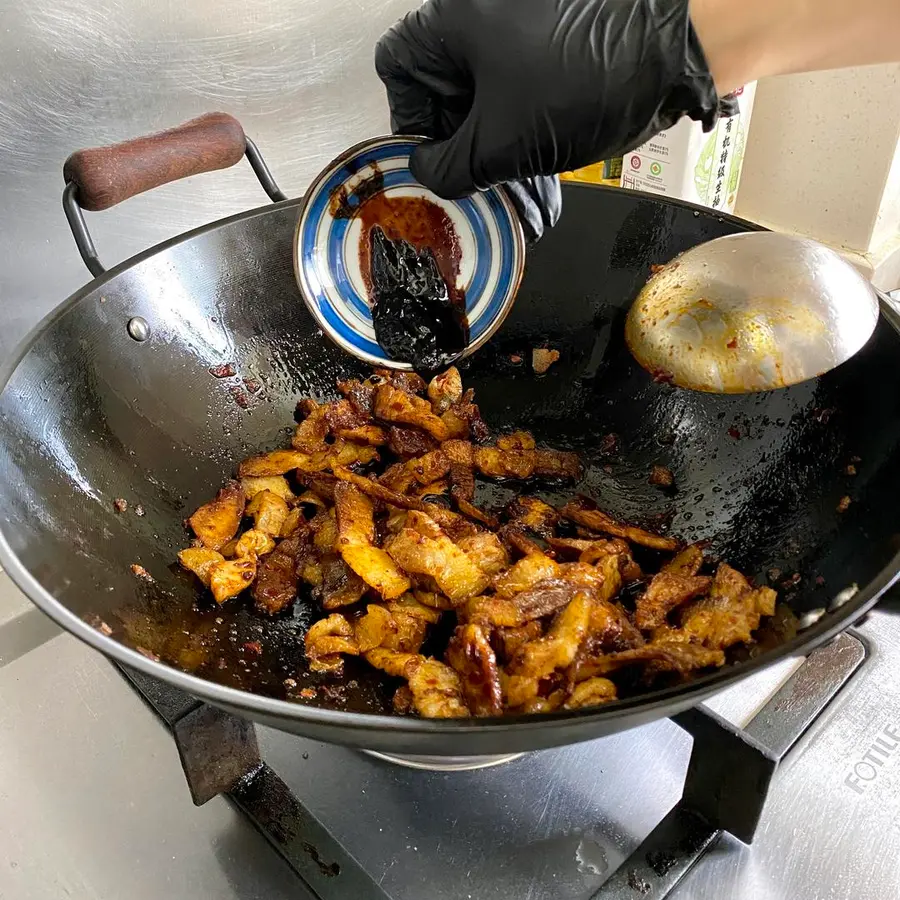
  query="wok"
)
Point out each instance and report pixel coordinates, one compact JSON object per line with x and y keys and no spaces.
{"x":97,"y":405}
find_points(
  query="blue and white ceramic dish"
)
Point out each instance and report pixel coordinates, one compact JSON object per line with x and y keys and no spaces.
{"x":326,"y":248}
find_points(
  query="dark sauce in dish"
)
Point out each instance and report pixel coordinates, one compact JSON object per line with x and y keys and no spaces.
{"x":415,"y":319}
{"x":418,"y":309}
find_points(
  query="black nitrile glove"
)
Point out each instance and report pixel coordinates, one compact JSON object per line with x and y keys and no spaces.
{"x":511,"y":90}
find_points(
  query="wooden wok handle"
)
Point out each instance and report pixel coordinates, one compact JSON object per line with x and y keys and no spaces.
{"x":106,"y":176}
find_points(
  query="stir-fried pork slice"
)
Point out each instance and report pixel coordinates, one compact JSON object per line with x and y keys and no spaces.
{"x":460,"y":453}
{"x":410,"y":382}
{"x":422,"y":548}
{"x":326,"y":640}
{"x":399,"y":407}
{"x":276,"y":484}
{"x":535,"y":515}
{"x":360,"y":393}
{"x":437,"y":691}
{"x":339,"y":585}
{"x":517,"y":541}
{"x":342,"y":415}
{"x":420,"y":470}
{"x":667,"y":591}
{"x":470,"y":654}
{"x":518,"y":440}
{"x":253,"y":542}
{"x":373,"y":629}
{"x":492,"y":610}
{"x":620,"y":550}
{"x":275,"y":587}
{"x":600,"y":521}
{"x":435,"y":687}
{"x":409,"y":442}
{"x":463,"y":419}
{"x":295,"y":519}
{"x":545,"y":598}
{"x":391,"y":628}
{"x":476,"y":514}
{"x":268,"y":512}
{"x":610,"y":627}
{"x":356,"y":543}
{"x":200,"y":560}
{"x":374,"y":435}
{"x":487,"y":551}
{"x":279,"y":462}
{"x":402,"y":701}
{"x":462,"y":479}
{"x":507,"y":642}
{"x":664,"y":657}
{"x":540,"y":658}
{"x":592,"y":692}
{"x":319,"y":483}
{"x":542,"y":599}
{"x":455,"y":526}
{"x":687,"y":562}
{"x":227,"y":579}
{"x":410,"y":605}
{"x":216,"y":523}
{"x":525,"y":574}
{"x":730,"y":613}
{"x":349,"y":453}
{"x":309,"y":435}
{"x":496,"y":462}
{"x":559,"y":647}
{"x":378,"y":491}
{"x":432,"y":599}
{"x":544,"y":704}
{"x":410,"y":633}
{"x":593,"y":551}
{"x":428,"y":492}
{"x":521,"y":464}
{"x":445,"y":390}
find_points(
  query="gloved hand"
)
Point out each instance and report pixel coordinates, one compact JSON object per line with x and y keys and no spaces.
{"x":511,"y":90}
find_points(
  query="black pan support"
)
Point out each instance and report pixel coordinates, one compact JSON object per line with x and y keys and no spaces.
{"x":725,"y":787}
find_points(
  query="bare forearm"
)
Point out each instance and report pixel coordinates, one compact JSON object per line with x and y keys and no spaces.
{"x":744,"y":41}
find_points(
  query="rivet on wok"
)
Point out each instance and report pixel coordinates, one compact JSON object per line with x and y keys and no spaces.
{"x":138,"y":329}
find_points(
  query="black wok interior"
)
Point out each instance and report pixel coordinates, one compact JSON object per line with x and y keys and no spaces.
{"x":89,"y":415}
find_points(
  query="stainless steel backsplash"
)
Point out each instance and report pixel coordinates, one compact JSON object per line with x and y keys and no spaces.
{"x":74,"y":73}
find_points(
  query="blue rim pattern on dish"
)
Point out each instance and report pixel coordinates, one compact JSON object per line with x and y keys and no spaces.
{"x":326,"y":249}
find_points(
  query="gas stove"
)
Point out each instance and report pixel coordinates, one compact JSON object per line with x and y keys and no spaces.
{"x":783,"y":786}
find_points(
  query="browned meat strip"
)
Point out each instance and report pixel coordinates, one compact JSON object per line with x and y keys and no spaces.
{"x":666,"y":657}
{"x":340,"y":585}
{"x":730,"y":613}
{"x":275,"y":587}
{"x":687,"y":562}
{"x":666,"y":592}
{"x":535,"y":515}
{"x":600,"y":521}
{"x":408,"y":443}
{"x":471,"y":655}
{"x":400,"y":408}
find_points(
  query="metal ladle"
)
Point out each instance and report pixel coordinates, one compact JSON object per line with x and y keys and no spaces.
{"x":751,"y":312}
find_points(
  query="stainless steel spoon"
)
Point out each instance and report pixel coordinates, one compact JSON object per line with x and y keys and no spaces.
{"x":751,"y":312}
